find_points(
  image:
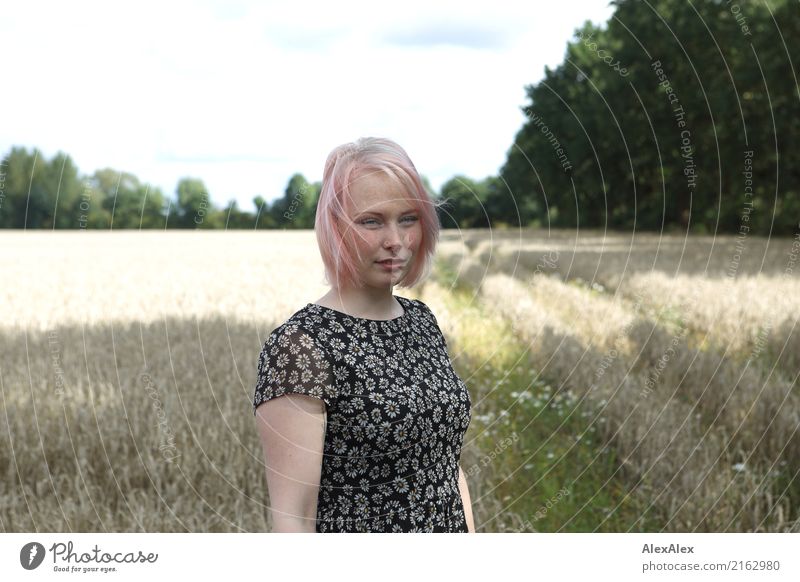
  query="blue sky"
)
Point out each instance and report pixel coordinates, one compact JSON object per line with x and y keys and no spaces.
{"x":244,"y":94}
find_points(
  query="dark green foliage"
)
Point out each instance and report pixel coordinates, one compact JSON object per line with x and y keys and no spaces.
{"x":724,"y":90}
{"x":39,"y":193}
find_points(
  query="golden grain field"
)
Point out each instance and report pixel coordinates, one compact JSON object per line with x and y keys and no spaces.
{"x":619,"y":383}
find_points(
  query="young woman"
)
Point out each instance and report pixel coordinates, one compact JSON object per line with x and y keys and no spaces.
{"x":359,"y":411}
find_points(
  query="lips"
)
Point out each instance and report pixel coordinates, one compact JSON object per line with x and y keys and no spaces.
{"x":391,"y":263}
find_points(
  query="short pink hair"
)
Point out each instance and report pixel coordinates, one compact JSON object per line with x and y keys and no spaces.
{"x":348,"y":162}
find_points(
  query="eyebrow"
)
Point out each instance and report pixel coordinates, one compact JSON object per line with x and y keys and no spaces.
{"x":381,"y":214}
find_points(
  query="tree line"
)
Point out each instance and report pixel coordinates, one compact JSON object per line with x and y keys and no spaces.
{"x":51,"y":194}
{"x":41,"y":193}
{"x":675,"y":115}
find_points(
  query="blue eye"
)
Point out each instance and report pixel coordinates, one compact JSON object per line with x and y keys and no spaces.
{"x":365,"y":221}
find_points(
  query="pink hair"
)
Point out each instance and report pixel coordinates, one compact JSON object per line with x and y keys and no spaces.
{"x":346,"y":163}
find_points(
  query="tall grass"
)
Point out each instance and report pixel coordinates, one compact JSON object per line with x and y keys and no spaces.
{"x":609,"y":397}
{"x":706,"y":440}
{"x":115,"y":450}
{"x":532,"y":461}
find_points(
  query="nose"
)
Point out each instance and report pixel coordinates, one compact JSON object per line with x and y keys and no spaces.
{"x":393,"y":238}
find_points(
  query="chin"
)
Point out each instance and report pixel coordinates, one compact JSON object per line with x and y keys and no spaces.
{"x":393,"y":278}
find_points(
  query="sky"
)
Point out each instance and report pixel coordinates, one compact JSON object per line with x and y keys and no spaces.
{"x":245,"y":94}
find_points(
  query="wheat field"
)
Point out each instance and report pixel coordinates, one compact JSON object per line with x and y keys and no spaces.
{"x":619,"y":383}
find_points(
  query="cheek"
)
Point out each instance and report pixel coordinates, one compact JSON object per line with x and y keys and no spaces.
{"x":414,"y":237}
{"x":366,"y":242}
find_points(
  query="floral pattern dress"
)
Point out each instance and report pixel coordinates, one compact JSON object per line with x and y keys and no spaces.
{"x":397,"y":413}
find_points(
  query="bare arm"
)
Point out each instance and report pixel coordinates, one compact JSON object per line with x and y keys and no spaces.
{"x":292,"y":431}
{"x":462,"y":487}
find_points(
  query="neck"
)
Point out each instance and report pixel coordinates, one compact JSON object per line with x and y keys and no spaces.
{"x":367,"y":302}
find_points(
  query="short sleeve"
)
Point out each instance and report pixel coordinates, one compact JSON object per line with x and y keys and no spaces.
{"x":293,"y":362}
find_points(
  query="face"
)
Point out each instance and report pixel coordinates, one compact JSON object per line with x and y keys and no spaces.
{"x":383,"y":225}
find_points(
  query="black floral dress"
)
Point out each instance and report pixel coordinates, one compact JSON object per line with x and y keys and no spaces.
{"x":397,"y":413}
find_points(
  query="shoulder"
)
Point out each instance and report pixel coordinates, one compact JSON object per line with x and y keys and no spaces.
{"x":291,"y":335}
{"x":292,"y":361}
{"x":423,"y":309}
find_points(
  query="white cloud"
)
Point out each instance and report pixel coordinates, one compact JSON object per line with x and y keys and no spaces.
{"x":243,"y":94}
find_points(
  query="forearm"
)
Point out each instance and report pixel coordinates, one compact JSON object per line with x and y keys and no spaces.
{"x":465,"y":500}
{"x":282,"y":523}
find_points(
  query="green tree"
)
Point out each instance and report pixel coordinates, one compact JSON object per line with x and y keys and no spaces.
{"x":236,"y":219}
{"x":61,"y":175}
{"x":37,"y":192}
{"x":465,"y":201}
{"x":296,"y":209}
{"x":153,"y":207}
{"x":17,"y":168}
{"x":263,"y":218}
{"x":654,"y":114}
{"x":192,"y":205}
{"x":128,"y":203}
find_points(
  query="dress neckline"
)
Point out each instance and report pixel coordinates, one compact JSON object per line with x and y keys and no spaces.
{"x":401,"y":300}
